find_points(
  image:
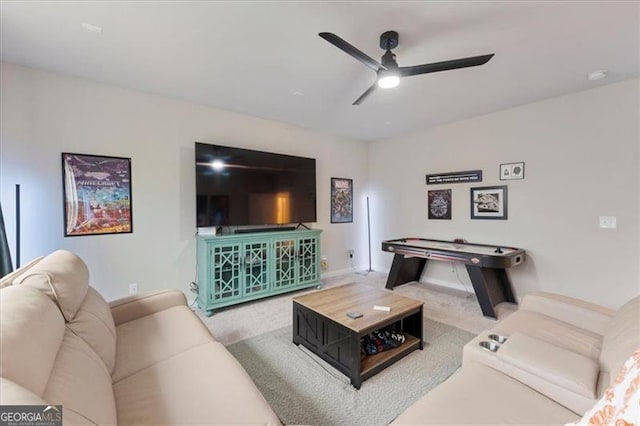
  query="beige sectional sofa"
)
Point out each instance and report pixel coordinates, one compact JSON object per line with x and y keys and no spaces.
{"x":149,"y":360}
{"x":145,"y":359}
{"x":559,"y":357}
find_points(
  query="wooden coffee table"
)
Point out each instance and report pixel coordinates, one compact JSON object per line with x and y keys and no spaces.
{"x":321,"y":324}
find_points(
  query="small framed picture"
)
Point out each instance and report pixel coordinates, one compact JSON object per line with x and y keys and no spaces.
{"x":489,"y":202}
{"x":439,"y":204}
{"x":341,"y":200}
{"x":512,"y":171}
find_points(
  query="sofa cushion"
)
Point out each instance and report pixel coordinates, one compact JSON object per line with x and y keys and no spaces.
{"x":94,"y":324}
{"x":477,"y":394}
{"x":621,"y":338}
{"x":564,"y":376}
{"x":134,"y":307}
{"x":80,"y":382}
{"x":8,"y":279}
{"x":30,"y":336}
{"x":12,"y":393}
{"x":551,"y":330}
{"x":148,"y":340}
{"x":202,"y":385}
{"x":573,"y":311}
{"x":63,"y":277}
{"x":574,"y":372}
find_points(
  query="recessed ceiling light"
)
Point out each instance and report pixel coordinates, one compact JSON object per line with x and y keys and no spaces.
{"x":217,"y":165}
{"x":597,"y":75}
{"x":298,"y":93}
{"x":93,"y":28}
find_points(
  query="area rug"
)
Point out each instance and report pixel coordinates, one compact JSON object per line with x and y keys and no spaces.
{"x":303,"y":389}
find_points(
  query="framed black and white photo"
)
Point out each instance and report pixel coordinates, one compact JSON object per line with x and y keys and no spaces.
{"x":439,"y":204}
{"x":341,"y":200}
{"x":489,"y":202}
{"x":511,"y":171}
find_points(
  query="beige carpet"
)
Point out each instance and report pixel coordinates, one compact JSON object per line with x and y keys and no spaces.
{"x":453,"y":307}
{"x":303,"y":389}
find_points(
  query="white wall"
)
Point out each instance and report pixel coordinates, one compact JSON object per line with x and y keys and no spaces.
{"x":581,"y":155}
{"x":44,"y":114}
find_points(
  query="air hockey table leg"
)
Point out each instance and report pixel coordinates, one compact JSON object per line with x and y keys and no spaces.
{"x":404,"y":270}
{"x":492,"y":286}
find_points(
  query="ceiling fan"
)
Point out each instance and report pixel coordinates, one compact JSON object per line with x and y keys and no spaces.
{"x":388,"y":71}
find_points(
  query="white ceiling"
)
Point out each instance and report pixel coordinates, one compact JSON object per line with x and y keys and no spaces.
{"x":252,"y":57}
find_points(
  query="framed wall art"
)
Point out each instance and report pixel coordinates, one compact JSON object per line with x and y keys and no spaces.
{"x":96,"y":194}
{"x":489,"y":202}
{"x":341,"y":200}
{"x":439,"y":204}
{"x":469,"y":176}
{"x":511,"y":171}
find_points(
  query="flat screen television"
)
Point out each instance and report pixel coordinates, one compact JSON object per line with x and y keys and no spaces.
{"x":236,"y":187}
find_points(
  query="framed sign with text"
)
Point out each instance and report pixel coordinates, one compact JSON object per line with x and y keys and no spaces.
{"x":470,"y":176}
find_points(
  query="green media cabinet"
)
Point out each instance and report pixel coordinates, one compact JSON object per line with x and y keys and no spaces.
{"x":236,"y":268}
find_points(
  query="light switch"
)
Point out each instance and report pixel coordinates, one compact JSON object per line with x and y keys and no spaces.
{"x":608,"y":222}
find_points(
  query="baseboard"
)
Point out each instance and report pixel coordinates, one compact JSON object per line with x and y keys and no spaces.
{"x":379,"y":268}
{"x":337,"y":272}
{"x":356,"y":269}
{"x":448,"y":284}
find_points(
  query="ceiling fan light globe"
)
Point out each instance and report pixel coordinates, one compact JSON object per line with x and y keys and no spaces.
{"x":388,"y":81}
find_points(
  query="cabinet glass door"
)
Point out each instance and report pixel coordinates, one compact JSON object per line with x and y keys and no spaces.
{"x":256,"y":270}
{"x":226,"y":271}
{"x":284,"y":265}
{"x":307,"y":260}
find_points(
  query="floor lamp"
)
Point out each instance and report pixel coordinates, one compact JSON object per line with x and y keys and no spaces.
{"x":369,"y":234}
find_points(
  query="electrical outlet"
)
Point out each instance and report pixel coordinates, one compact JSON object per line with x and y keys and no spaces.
{"x":323,"y":263}
{"x":608,"y":222}
{"x":133,"y":288}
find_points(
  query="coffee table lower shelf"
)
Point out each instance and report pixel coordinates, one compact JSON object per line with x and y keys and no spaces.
{"x":340,"y":346}
{"x":372,"y":364}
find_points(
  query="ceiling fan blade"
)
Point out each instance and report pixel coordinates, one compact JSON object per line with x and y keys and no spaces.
{"x":366,"y":93}
{"x":352,"y":51}
{"x":472,"y":61}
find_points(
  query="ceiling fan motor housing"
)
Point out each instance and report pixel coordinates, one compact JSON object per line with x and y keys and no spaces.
{"x":389,"y":60}
{"x":389,"y":40}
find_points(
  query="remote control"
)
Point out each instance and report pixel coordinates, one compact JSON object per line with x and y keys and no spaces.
{"x":354,"y":315}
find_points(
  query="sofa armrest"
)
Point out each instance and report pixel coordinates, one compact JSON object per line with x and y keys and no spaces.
{"x":134,"y":307}
{"x":579,"y":313}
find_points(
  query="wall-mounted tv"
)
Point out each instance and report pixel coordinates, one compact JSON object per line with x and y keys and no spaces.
{"x":236,"y":187}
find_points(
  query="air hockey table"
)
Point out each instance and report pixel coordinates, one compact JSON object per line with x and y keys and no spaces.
{"x":486,"y":265}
